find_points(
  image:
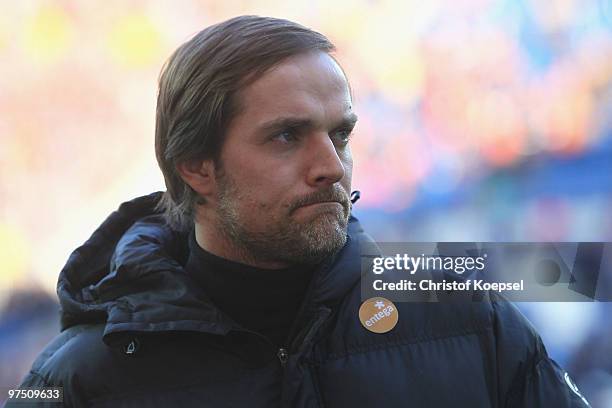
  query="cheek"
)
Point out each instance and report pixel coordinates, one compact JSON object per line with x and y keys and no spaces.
{"x":347,"y":162}
{"x":264,"y":189}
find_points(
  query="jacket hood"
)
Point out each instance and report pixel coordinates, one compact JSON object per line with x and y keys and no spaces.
{"x":129,"y":274}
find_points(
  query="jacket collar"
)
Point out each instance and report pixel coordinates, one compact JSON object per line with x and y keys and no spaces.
{"x":129,"y":275}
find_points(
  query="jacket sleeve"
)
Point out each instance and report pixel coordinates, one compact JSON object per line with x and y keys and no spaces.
{"x":547,"y":385}
{"x":528,"y":377}
{"x":54,"y":368}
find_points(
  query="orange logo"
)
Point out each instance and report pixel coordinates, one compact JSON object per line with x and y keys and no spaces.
{"x":378,"y":315}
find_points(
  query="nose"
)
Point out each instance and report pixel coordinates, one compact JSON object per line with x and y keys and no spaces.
{"x":325,"y":164}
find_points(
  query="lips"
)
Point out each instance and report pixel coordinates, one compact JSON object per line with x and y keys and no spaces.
{"x":323,"y":203}
{"x":329,"y":197}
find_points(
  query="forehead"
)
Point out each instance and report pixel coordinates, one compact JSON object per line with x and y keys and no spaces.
{"x":310,"y":84}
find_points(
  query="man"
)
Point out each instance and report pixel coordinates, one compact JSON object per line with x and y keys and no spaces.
{"x":239,"y":286}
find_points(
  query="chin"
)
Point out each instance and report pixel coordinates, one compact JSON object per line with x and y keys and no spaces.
{"x":327,"y":237}
{"x":328,"y":226}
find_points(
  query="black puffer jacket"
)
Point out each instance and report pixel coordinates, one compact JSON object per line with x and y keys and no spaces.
{"x":136,"y":332}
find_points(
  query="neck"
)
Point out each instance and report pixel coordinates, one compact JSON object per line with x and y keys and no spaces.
{"x":218,"y":243}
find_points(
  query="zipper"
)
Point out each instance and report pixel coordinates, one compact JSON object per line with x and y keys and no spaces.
{"x":304,"y":337}
{"x":282,"y":353}
{"x":299,"y":345}
{"x":293,"y":332}
{"x":283,"y":356}
{"x":310,"y":328}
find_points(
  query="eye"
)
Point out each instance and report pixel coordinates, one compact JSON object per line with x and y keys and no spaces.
{"x":342,"y":136}
{"x":286,"y":136}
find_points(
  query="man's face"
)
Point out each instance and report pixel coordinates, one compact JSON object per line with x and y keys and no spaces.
{"x":285,"y":177}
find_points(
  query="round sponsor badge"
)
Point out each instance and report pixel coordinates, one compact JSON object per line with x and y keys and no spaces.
{"x":378,"y":315}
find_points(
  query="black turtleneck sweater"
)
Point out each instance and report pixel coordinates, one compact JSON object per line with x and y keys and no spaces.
{"x":263,"y":300}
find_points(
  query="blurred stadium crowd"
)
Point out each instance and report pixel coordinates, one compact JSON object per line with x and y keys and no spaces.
{"x":480,"y":120}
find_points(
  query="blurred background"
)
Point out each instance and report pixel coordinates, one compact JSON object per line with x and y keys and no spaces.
{"x":480,"y":120}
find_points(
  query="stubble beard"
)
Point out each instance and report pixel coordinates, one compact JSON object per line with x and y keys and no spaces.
{"x":283,"y":240}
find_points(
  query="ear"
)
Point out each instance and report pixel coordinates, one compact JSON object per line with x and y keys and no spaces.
{"x":200,"y":175}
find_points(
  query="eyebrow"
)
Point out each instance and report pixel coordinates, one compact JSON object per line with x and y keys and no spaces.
{"x":278,"y":124}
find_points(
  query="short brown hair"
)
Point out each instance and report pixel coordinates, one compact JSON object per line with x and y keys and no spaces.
{"x":197,"y":89}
